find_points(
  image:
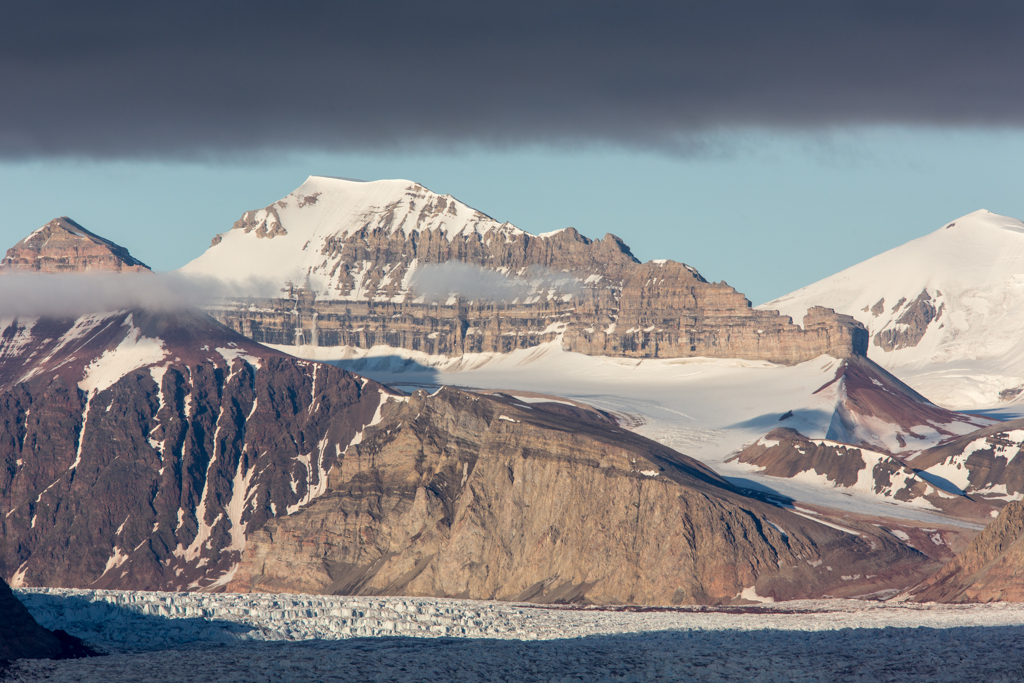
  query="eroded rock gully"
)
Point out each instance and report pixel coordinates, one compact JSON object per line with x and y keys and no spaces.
{"x":154,"y":482}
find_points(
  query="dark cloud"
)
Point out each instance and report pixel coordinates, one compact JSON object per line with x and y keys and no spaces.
{"x":188,"y":78}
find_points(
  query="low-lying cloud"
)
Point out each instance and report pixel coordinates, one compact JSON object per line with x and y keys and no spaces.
{"x":438,"y":281}
{"x":75,"y":294}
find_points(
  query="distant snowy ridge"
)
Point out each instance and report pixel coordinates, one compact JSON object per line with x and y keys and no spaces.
{"x":945,"y":312}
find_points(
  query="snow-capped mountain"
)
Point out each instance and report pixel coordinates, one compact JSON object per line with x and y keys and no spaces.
{"x":301,"y":240}
{"x":945,"y":312}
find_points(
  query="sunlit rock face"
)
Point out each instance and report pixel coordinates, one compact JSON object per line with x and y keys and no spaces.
{"x":63,"y":246}
{"x":465,"y":495}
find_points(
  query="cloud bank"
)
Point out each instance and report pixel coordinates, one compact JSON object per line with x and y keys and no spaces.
{"x":438,"y":281}
{"x":113,"y":79}
{"x":75,"y":294}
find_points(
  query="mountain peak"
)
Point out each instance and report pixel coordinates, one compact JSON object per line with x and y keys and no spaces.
{"x":301,"y":235}
{"x":63,"y":246}
{"x":951,"y":299}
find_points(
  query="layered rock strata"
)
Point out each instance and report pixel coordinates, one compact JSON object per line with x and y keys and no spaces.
{"x":348,"y":264}
{"x":63,"y":246}
{"x":473,"y":496}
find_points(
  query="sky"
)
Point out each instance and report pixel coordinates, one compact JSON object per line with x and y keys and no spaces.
{"x":766,"y":144}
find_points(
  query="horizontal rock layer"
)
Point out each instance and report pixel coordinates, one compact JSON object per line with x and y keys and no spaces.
{"x":616,"y":307}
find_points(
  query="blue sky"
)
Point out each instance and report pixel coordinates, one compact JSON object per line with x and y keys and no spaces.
{"x":767,"y":212}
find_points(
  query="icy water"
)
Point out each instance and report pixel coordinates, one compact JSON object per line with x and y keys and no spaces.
{"x":261,"y":637}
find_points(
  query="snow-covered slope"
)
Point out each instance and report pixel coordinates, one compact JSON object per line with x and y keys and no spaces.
{"x":299,"y":239}
{"x":709,"y":409}
{"x":945,"y":312}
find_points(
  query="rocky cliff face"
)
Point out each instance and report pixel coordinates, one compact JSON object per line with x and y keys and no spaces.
{"x":471,"y":496}
{"x":667,"y":310}
{"x":347,"y":256}
{"x":153,"y":451}
{"x":138,"y":449}
{"x":63,"y":245}
{"x":991,"y":569}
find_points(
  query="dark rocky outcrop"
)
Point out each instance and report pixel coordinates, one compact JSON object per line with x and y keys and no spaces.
{"x":908,"y":330}
{"x":786,"y":453}
{"x":20,"y":635}
{"x":988,"y":463}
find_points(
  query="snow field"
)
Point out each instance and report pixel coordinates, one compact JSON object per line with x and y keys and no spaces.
{"x":262,"y":637}
{"x":971,"y":269}
{"x":706,"y":408}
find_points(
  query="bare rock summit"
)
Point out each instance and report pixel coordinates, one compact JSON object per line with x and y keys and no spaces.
{"x":64,"y":246}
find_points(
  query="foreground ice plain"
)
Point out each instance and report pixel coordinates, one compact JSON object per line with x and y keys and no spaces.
{"x":263,"y":637}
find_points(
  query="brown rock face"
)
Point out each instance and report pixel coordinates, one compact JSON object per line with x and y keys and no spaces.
{"x":667,"y":310}
{"x":465,"y":495}
{"x":991,"y":569}
{"x":867,"y":392}
{"x":20,"y":635}
{"x":63,"y":246}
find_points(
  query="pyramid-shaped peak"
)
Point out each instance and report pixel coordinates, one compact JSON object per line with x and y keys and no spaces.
{"x":63,"y":246}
